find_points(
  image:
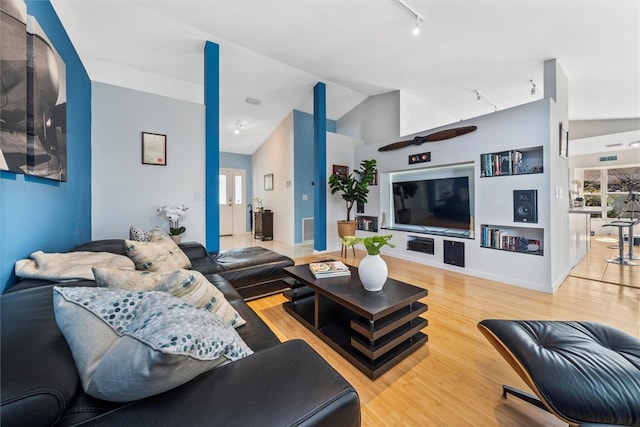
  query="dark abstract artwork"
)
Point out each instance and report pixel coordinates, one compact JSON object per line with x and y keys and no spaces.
{"x":33,"y":117}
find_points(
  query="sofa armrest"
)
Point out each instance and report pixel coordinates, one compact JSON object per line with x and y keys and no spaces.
{"x":287,"y":385}
{"x":193,"y":250}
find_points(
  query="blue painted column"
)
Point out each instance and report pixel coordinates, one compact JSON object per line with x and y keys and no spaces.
{"x":320,"y":166}
{"x":212,"y":141}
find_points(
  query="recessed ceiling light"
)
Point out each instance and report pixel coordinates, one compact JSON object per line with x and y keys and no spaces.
{"x":634,"y":144}
{"x":239,"y":127}
{"x":253,"y":101}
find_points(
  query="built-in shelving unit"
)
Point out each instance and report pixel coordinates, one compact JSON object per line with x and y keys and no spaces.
{"x":421,"y":244}
{"x":512,"y":239}
{"x":367,"y":223}
{"x":511,"y":162}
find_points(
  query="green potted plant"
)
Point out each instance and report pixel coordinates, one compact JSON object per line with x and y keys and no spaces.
{"x":372,"y":270}
{"x":354,"y":188}
{"x":372,"y":244}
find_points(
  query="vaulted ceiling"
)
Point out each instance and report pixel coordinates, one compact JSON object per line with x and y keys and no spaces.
{"x":276,"y":50}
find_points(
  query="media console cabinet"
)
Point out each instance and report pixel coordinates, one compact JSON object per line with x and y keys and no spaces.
{"x":372,"y":330}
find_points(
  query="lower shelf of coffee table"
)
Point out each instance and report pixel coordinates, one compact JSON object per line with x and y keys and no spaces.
{"x":340,"y":328}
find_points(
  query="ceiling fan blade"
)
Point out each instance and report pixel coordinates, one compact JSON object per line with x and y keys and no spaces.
{"x":437,"y":136}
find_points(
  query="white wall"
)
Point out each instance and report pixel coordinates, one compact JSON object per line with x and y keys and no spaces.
{"x":375,"y":119}
{"x":124,"y":191}
{"x":275,"y":156}
{"x":557,"y":235}
{"x":340,"y":150}
{"x":416,"y":115}
{"x":519,"y":127}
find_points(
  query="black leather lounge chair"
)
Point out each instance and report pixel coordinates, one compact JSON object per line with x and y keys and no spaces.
{"x":584,"y":373}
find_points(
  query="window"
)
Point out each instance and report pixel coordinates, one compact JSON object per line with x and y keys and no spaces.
{"x":622,"y":188}
{"x":591,"y":189}
{"x":614,"y":190}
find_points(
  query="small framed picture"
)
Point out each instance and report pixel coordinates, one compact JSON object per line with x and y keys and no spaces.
{"x":341,"y":171}
{"x":154,"y":149}
{"x":268,"y":182}
{"x":564,"y":141}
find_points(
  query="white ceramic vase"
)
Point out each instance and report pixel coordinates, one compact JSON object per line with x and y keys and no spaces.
{"x":177,"y":238}
{"x":373,"y":272}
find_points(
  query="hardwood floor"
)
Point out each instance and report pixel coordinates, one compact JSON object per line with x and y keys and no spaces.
{"x":455,"y":379}
{"x":596,"y":268}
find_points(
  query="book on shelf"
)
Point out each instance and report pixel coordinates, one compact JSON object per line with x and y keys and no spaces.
{"x":329,"y":269}
{"x":504,"y":163}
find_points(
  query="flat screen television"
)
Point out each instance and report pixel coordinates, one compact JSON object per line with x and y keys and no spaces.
{"x":441,"y":202}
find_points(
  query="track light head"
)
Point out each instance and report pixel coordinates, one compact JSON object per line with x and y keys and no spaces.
{"x":533,"y":88}
{"x":416,"y":29}
{"x":478,"y":97}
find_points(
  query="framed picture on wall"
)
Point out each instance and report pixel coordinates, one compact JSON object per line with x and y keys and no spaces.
{"x":564,"y":141}
{"x":268,"y":182}
{"x":341,"y":171}
{"x":154,"y":149}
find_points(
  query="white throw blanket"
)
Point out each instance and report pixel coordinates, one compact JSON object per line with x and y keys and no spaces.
{"x":69,"y":265}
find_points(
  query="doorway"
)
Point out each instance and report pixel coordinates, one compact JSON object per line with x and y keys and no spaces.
{"x":232,"y":202}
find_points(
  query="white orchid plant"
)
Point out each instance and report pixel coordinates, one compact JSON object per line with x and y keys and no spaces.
{"x":173,"y":213}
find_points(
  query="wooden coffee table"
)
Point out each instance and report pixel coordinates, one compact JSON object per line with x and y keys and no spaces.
{"x":372,"y":330}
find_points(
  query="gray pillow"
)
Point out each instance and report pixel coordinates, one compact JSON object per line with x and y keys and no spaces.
{"x":188,"y":285}
{"x":140,"y":235}
{"x":130,"y":345}
{"x":159,"y":254}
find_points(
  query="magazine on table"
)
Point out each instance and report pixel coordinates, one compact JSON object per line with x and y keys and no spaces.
{"x":329,"y":269}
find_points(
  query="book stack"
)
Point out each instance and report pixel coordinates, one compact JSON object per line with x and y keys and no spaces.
{"x":329,"y":269}
{"x":505,"y":163}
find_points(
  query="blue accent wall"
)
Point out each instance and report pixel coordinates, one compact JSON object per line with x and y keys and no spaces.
{"x":212,"y":141}
{"x":40,"y":214}
{"x":240,"y":161}
{"x":304,"y":176}
{"x":320,"y":166}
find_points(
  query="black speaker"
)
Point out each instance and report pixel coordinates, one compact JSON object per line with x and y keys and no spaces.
{"x":525,"y":206}
{"x":453,"y":253}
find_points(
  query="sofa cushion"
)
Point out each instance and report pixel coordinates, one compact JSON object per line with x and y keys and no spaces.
{"x":129,"y":345}
{"x":37,"y":372}
{"x":159,"y":254}
{"x":188,"y":285}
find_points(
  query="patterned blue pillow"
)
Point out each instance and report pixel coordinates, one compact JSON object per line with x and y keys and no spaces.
{"x":129,"y":345}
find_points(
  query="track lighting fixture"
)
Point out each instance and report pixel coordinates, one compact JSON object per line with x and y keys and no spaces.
{"x":480,"y":97}
{"x":533,"y":88}
{"x":416,"y":29}
{"x":419,"y":19}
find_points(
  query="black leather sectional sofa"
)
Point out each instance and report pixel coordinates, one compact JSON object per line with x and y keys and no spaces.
{"x":281,"y":384}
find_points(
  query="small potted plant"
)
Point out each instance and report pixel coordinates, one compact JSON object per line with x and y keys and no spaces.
{"x":173,"y":213}
{"x":373,"y":271}
{"x":353,"y":188}
{"x":579,"y":202}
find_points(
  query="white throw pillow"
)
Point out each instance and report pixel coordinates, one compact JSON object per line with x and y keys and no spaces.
{"x":130,"y":345}
{"x":189,"y":285}
{"x":159,"y":254}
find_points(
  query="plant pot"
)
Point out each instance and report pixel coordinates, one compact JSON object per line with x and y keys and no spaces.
{"x":373,"y":272}
{"x":177,"y":238}
{"x":346,"y":228}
